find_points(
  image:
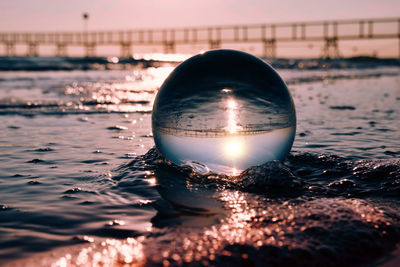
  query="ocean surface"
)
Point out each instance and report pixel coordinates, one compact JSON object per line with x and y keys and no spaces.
{"x":81,"y":183}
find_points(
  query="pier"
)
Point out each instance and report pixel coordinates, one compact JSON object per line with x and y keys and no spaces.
{"x":269,"y":36}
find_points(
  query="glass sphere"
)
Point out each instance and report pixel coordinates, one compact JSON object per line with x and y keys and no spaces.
{"x":223,"y":111}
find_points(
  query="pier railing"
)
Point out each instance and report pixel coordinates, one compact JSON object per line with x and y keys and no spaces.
{"x":268,"y":35}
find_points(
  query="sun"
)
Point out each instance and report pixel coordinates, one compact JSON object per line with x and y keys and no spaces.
{"x":234,"y":148}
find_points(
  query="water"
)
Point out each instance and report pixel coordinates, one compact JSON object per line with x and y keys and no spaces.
{"x":219,"y":107}
{"x":80,"y":182}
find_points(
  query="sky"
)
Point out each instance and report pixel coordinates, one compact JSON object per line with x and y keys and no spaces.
{"x":60,"y":15}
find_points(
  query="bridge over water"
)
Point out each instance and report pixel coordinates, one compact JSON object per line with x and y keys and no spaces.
{"x":269,"y":36}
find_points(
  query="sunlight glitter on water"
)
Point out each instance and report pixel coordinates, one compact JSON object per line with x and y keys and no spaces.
{"x":135,"y":94}
{"x":232,"y":120}
{"x":266,"y":225}
{"x":163,"y":57}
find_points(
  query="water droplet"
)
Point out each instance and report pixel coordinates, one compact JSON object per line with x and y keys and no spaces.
{"x":225,"y":109}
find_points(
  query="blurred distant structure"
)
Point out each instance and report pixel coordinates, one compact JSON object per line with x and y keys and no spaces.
{"x":90,"y":47}
{"x":85,"y":17}
{"x":269,"y":36}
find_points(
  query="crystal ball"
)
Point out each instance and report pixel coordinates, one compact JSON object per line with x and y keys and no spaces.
{"x":223,"y":111}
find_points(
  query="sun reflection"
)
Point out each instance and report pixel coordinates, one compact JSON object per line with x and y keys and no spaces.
{"x":114,"y":60}
{"x":135,"y":94}
{"x":235,"y":171}
{"x":250,"y":222}
{"x":232,"y":107}
{"x":151,"y":181}
{"x":115,"y":222}
{"x":226,"y":90}
{"x":233,"y":147}
{"x":162,"y":57}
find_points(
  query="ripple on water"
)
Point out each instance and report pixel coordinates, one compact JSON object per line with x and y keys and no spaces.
{"x":311,"y":210}
{"x":117,"y":128}
{"x":325,"y":231}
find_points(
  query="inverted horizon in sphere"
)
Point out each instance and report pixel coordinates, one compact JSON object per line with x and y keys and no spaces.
{"x":224,"y":110}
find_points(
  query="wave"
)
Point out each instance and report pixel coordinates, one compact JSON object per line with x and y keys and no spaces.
{"x":301,"y":174}
{"x":104,"y":63}
{"x":71,"y":63}
{"x":311,"y":210}
{"x":70,"y":95}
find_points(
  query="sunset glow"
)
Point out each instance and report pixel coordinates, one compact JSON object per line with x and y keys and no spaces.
{"x":49,"y":16}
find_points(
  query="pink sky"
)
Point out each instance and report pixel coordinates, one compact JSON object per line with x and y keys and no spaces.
{"x":48,"y":15}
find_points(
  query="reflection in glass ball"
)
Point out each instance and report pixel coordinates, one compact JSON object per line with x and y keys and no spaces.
{"x":223,"y":111}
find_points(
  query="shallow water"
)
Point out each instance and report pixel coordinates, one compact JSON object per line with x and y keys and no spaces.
{"x":80,"y":182}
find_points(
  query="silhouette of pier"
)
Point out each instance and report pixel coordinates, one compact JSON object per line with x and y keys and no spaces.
{"x":269,"y":36}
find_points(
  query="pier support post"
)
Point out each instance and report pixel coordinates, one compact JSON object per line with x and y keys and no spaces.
{"x":214,"y":44}
{"x":61,"y":50}
{"x":331,"y":48}
{"x":398,"y":35}
{"x":126,"y":49}
{"x":10,"y":49}
{"x":32,"y":49}
{"x":90,"y":49}
{"x":169,"y":47}
{"x":269,"y":48}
